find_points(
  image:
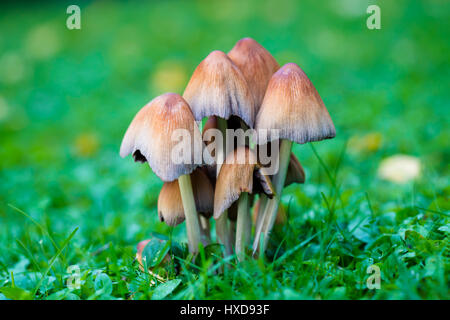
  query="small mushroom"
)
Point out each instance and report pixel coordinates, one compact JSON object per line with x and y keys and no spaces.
{"x":240,"y":175}
{"x":170,"y":205}
{"x":149,"y":139}
{"x":292,"y":106}
{"x":218,"y":88}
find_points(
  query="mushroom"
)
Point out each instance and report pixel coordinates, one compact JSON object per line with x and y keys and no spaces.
{"x":170,"y":205}
{"x":240,"y":175}
{"x":292,"y":106}
{"x":149,"y":139}
{"x":256,"y":64}
{"x":218,"y":88}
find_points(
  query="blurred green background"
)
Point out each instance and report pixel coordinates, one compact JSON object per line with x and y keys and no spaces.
{"x":67,"y":97}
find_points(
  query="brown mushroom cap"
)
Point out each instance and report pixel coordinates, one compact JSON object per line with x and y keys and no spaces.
{"x":211,"y":123}
{"x":170,"y":205}
{"x":217,"y":87}
{"x":149,"y":136}
{"x":295,"y":172}
{"x":293,"y":106}
{"x":240,"y":173}
{"x":257,"y":66}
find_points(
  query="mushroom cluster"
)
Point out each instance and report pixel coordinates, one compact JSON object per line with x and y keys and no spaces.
{"x":221,"y":175}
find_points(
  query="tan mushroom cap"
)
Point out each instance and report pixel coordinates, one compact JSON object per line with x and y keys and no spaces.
{"x":170,"y":205}
{"x":240,"y":173}
{"x":149,"y":136}
{"x":217,"y":87}
{"x":257,"y":66}
{"x":211,"y":123}
{"x":295,"y":172}
{"x":293,"y":106}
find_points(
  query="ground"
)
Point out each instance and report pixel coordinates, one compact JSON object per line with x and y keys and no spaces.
{"x":69,"y":205}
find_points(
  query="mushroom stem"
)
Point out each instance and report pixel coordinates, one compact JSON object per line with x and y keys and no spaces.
{"x":190,"y":212}
{"x":232,"y":230}
{"x":222,"y":229}
{"x":243,"y":221}
{"x":205,"y":230}
{"x":271,"y":209}
{"x":223,"y":234}
{"x":259,"y":217}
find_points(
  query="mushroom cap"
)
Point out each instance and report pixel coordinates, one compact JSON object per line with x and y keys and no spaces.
{"x":257,"y":66}
{"x":170,"y":204}
{"x":293,"y":106}
{"x":211,"y":123}
{"x":149,"y":136}
{"x":295,"y":172}
{"x":217,"y":87}
{"x":240,"y":172}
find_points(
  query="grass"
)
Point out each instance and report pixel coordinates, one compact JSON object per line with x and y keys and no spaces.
{"x":68,"y":199}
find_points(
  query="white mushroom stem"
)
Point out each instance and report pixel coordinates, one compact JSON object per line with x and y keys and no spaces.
{"x":222,"y":229}
{"x":243,"y":222}
{"x":259,"y":217}
{"x":270,"y":212}
{"x":190,"y":212}
{"x":232,"y":229}
{"x":205,"y":230}
{"x":223,"y":234}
